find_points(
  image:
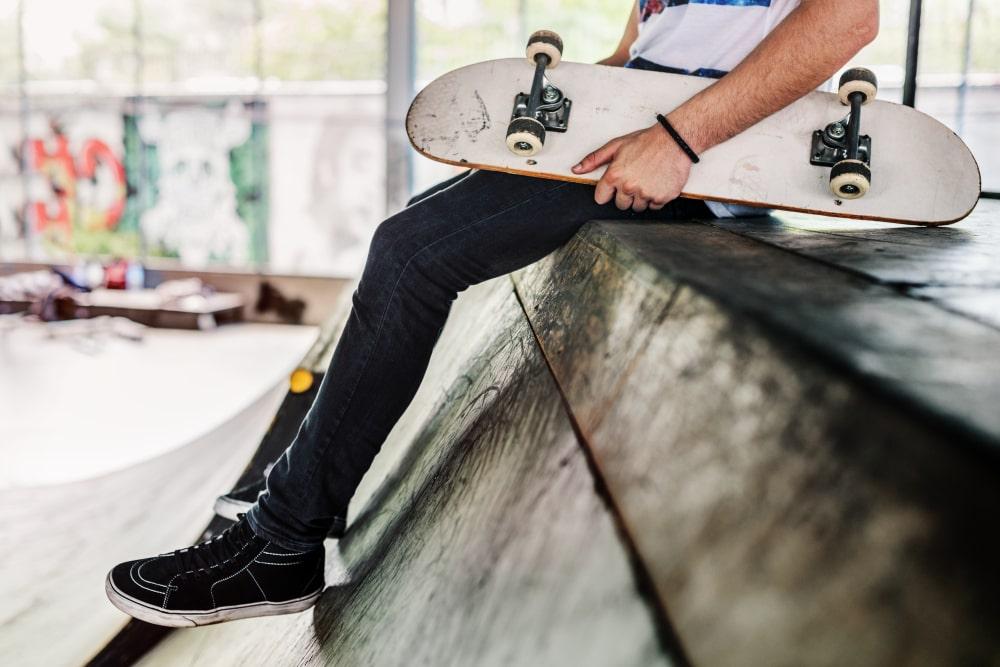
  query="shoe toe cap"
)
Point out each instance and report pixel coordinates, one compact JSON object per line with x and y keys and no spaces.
{"x":138,"y":579}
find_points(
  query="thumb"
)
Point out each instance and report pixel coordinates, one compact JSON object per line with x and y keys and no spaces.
{"x":602,"y":155}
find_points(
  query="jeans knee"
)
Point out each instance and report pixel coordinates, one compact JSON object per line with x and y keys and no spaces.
{"x":390,"y":248}
{"x":424,"y":270}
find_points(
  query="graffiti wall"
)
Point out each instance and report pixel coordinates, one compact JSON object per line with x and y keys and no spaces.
{"x":199,"y":181}
{"x":76,"y":180}
{"x":292,"y":184}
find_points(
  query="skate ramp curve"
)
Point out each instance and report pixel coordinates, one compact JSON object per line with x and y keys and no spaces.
{"x":59,"y":541}
{"x":85,"y":398}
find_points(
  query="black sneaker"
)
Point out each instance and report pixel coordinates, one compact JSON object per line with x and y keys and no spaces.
{"x":233,"y":575}
{"x":239,"y":501}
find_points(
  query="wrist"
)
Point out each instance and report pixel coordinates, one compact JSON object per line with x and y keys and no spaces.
{"x":679,"y":142}
{"x":687,"y":126}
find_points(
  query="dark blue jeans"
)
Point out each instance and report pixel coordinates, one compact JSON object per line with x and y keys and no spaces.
{"x":476,"y":226}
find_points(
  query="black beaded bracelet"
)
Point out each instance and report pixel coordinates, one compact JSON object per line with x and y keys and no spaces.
{"x":678,"y":138}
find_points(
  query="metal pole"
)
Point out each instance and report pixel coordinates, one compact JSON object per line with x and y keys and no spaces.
{"x":258,"y":47}
{"x":258,"y":164}
{"x":399,"y":85}
{"x":912,"y":54}
{"x":963,"y":86}
{"x":30,"y":242}
{"x":138,"y":110}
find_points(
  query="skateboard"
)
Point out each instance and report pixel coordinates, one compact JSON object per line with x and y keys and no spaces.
{"x":847,"y":154}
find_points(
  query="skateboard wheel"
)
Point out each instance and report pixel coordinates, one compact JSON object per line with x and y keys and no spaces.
{"x":300,"y":381}
{"x":850,"y":179}
{"x":545,"y":42}
{"x":857,"y":80}
{"x":525,"y":136}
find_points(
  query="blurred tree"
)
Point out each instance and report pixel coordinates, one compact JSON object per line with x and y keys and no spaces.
{"x":316,"y":40}
{"x":90,"y":40}
{"x":451,"y":33}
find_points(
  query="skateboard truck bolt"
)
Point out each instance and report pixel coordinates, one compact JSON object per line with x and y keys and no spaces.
{"x":544,"y":103}
{"x":833,"y":144}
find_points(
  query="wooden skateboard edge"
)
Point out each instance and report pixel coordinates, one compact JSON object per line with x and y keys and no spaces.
{"x":690,"y":195}
{"x":693,"y":195}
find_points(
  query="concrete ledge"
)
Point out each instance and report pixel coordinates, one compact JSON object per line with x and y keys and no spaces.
{"x":804,"y":458}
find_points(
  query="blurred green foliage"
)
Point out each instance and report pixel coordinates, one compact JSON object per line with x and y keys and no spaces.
{"x":111,"y":243}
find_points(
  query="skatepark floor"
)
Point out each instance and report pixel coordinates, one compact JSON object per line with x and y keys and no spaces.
{"x":114,"y":449}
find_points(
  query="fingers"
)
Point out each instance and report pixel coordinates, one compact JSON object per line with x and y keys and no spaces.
{"x":604,"y":192}
{"x":655,"y":206}
{"x":639,"y":204}
{"x":626,"y":201}
{"x":623,"y":200}
{"x":602,"y":155}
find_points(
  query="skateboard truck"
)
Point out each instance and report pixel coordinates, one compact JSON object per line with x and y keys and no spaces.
{"x":544,"y":107}
{"x":841,"y":145}
{"x":830,"y":145}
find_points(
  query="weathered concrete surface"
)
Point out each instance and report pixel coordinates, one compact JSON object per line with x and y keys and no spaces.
{"x":804,"y":458}
{"x":486,"y":545}
{"x":796,"y":448}
{"x":957,"y":267}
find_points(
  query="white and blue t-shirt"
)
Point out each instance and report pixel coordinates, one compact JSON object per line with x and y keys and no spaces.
{"x":704,"y":38}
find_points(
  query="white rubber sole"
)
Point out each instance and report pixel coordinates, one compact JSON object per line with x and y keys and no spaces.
{"x":188,"y":619}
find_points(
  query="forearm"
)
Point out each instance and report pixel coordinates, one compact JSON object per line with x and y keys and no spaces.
{"x":805,"y":50}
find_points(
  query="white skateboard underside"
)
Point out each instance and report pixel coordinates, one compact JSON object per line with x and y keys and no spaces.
{"x":922,"y":173}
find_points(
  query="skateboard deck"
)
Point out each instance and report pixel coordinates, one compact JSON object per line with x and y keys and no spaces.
{"x":922,"y":173}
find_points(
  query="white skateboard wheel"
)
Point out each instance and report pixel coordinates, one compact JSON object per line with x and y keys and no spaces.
{"x":545,"y":42}
{"x":857,"y":80}
{"x":850,"y":179}
{"x":525,"y":136}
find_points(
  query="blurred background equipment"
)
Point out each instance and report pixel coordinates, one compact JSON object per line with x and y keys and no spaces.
{"x":182,"y":304}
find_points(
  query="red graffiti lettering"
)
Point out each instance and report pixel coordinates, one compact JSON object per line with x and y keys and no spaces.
{"x":58,"y":213}
{"x":95,"y":151}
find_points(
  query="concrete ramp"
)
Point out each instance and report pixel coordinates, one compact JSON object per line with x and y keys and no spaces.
{"x":58,"y":542}
{"x":805,"y":458}
{"x":101,"y":491}
{"x":487,"y":543}
{"x":673,"y":443}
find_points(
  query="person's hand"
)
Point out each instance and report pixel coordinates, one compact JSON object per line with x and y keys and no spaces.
{"x":646,"y":169}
